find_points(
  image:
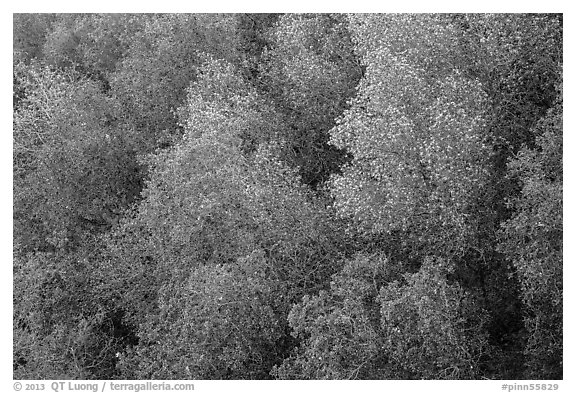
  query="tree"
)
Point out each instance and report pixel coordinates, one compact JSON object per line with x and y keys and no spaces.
{"x":64,"y":324}
{"x":532,"y":240}
{"x":291,"y":196}
{"x":253,"y":38}
{"x":376,"y":323}
{"x":216,"y":198}
{"x":220,"y":325}
{"x":29,"y":34}
{"x":62,"y":46}
{"x":161,"y":62}
{"x":415,"y":132}
{"x":106,"y":40}
{"x":516,"y":58}
{"x":310,"y":71}
{"x":434,"y":328}
{"x":74,"y":170}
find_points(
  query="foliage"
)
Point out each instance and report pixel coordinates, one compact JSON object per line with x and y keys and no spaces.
{"x":314,"y":196}
{"x":227,"y":202}
{"x":192,"y":211}
{"x":219,"y":325}
{"x":253,"y":39}
{"x":161,"y":61}
{"x":209,"y":203}
{"x":310,"y":71}
{"x":516,"y":57}
{"x":415,"y":131}
{"x":74,"y":171}
{"x":90,"y":44}
{"x":62,"y":46}
{"x":373,"y":326}
{"x":445,"y":337}
{"x":29,"y":34}
{"x":63,"y":325}
{"x":532,"y":241}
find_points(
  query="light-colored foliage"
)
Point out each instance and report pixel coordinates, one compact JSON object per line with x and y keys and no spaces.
{"x":310,"y":71}
{"x":415,"y":132}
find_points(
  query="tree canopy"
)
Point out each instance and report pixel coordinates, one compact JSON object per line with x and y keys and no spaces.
{"x":290,"y":196}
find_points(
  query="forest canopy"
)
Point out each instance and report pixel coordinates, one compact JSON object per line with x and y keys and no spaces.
{"x":290,"y":196}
